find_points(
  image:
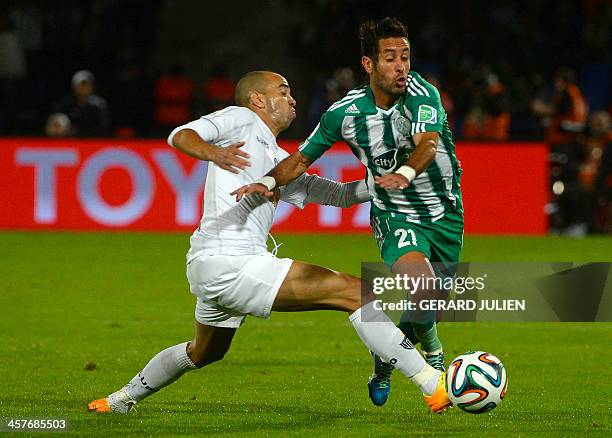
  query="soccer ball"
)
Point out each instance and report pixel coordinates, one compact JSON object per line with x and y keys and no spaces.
{"x":476,"y":382}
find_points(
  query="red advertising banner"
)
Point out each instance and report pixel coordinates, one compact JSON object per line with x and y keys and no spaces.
{"x":505,"y":187}
{"x":147,"y":185}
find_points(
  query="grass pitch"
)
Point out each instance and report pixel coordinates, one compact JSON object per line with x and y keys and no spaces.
{"x":72,"y":301}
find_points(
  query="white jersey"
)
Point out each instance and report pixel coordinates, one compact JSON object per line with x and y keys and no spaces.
{"x":228,"y":227}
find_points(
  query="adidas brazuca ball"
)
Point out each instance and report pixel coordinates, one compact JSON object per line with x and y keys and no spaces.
{"x":476,"y":382}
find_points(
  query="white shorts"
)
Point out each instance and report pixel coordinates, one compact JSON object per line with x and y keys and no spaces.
{"x":230,"y":287}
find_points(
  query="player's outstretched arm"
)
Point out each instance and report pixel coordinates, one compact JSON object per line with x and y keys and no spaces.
{"x":344,"y":195}
{"x":420,"y":159}
{"x":229,"y":158}
{"x":313,"y":189}
{"x":282,"y":174}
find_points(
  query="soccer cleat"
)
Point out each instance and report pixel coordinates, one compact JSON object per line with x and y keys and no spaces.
{"x":118,"y":401}
{"x":99,"y":405}
{"x":436,"y":360}
{"x":379,"y":384}
{"x":438,"y":402}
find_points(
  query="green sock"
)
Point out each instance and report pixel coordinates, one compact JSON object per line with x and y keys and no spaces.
{"x":428,"y":335}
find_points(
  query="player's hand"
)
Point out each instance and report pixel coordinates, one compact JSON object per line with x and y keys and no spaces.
{"x":231,"y":158}
{"x":392,"y":181}
{"x":250,"y":189}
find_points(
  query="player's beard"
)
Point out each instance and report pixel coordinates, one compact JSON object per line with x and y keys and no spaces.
{"x":392,"y":88}
{"x":389,"y":86}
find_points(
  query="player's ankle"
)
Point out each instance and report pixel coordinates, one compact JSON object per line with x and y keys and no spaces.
{"x":426,"y":379}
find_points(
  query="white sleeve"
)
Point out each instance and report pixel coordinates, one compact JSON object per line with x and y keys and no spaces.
{"x":312,"y":189}
{"x":221,"y":127}
{"x":204,"y":127}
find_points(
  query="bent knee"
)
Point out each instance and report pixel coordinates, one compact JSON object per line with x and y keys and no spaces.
{"x":202,"y":356}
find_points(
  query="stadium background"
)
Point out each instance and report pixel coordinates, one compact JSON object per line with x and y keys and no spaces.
{"x":83,"y":310}
{"x":158,"y":64}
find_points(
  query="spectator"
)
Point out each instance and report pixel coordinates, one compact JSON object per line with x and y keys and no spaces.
{"x":566,"y":115}
{"x":603,"y":193}
{"x":488,"y":118}
{"x":599,"y":136}
{"x":87,"y":112}
{"x":596,"y":170}
{"x":573,"y":201}
{"x":565,"y":118}
{"x":58,"y":125}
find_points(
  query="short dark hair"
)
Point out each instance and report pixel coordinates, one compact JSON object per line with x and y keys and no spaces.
{"x":371,"y":31}
{"x":251,"y":81}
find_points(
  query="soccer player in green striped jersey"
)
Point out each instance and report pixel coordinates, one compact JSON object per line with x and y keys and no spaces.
{"x":396,"y":126}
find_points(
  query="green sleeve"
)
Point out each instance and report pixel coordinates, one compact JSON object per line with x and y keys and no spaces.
{"x":428,"y":115}
{"x":326,"y":133}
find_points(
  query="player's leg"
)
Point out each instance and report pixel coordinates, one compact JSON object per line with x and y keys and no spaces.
{"x":256,"y":284}
{"x":419,"y":326}
{"x":404,"y":247}
{"x":309,"y":287}
{"x":441,"y":243}
{"x":209,"y":345}
{"x":445,"y":240}
{"x":417,"y":265}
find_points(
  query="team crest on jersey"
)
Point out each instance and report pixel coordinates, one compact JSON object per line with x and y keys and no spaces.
{"x":402,"y":124}
{"x":386,"y":160}
{"x":427,"y":114}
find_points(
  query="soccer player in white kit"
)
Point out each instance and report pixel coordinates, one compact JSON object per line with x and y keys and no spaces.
{"x":229,"y":268}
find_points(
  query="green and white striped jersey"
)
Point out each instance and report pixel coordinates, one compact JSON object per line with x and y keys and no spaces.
{"x":382,"y":141}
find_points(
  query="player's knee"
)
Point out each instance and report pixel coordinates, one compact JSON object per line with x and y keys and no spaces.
{"x":210,"y":357}
{"x":204,"y":355}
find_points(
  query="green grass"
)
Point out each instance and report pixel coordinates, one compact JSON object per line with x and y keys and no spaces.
{"x":117,"y":299}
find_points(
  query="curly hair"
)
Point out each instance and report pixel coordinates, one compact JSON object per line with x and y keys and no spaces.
{"x":371,"y":31}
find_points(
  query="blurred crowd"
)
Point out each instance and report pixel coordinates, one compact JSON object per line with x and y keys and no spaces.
{"x":538,"y":70}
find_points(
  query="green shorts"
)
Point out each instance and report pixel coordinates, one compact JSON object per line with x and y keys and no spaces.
{"x":440,"y":241}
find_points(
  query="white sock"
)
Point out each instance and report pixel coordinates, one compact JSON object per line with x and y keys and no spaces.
{"x":167,"y":366}
{"x":382,"y":337}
